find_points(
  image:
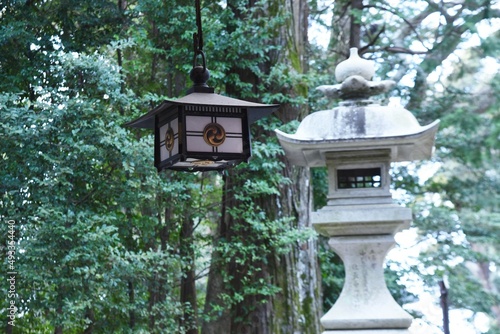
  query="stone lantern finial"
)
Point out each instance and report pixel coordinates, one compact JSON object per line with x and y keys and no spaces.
{"x":354,"y":65}
{"x":354,"y":75}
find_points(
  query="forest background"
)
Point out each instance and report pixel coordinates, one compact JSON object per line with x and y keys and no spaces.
{"x":105,"y":244}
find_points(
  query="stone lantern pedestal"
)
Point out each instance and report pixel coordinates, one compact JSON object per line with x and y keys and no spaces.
{"x":357,"y":141}
{"x":362,"y":237}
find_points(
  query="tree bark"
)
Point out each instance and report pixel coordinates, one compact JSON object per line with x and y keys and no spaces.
{"x":340,"y":31}
{"x":444,"y":306}
{"x":58,"y":328}
{"x":90,"y":315}
{"x":355,"y":31}
{"x":188,"y":280}
{"x":131,"y":300}
{"x":215,"y":310}
{"x":297,"y":272}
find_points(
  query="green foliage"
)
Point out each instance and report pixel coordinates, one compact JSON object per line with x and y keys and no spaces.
{"x":33,"y":32}
{"x":332,"y":273}
{"x":320,"y":187}
{"x":102,"y":234}
{"x":102,"y":237}
{"x":77,"y":184}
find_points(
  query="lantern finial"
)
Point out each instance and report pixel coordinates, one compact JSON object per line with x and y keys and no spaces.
{"x":354,"y":75}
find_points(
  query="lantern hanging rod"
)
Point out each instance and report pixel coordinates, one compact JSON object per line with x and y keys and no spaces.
{"x":198,"y":37}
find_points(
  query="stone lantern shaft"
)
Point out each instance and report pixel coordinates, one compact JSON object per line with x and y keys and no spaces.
{"x":357,"y":141}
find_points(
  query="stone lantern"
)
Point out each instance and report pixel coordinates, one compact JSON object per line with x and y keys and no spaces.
{"x":357,"y":141}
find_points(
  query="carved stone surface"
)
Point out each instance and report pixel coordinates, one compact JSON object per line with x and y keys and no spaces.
{"x":358,"y":123}
{"x":361,"y":220}
{"x":356,"y":87}
{"x":354,"y":75}
{"x":365,"y":301}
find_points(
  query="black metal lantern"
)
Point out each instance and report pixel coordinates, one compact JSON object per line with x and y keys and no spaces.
{"x":203,"y":130}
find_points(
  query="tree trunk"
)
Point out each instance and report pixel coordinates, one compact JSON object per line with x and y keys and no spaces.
{"x":90,"y":316}
{"x":131,"y":300}
{"x":188,"y":280}
{"x":58,"y":328}
{"x":297,"y":308}
{"x":444,"y":306}
{"x":355,"y":31}
{"x":215,"y":309}
{"x":340,"y":30}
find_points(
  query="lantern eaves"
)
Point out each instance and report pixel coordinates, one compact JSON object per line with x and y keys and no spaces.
{"x":256,"y":111}
{"x":415,"y":145}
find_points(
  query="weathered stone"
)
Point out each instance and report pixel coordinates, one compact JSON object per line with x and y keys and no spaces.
{"x":357,"y":141}
{"x":365,"y":301}
{"x":354,"y":65}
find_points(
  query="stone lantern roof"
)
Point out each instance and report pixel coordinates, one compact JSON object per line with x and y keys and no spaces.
{"x":358,"y":123}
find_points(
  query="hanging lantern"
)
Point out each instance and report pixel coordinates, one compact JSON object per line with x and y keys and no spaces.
{"x":203,"y":130}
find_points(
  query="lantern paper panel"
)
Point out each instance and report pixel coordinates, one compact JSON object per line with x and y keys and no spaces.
{"x":212,"y":134}
{"x":169,"y":139}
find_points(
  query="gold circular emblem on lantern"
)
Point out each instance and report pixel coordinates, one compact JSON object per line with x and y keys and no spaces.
{"x":169,"y":139}
{"x":214,"y":134}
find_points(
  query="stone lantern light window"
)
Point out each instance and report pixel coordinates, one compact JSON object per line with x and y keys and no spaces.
{"x":359,"y":178}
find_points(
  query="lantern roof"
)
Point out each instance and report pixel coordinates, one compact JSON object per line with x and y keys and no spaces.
{"x":358,"y":123}
{"x":256,"y":111}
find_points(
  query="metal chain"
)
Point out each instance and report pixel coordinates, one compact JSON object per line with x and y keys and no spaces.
{"x":198,"y":37}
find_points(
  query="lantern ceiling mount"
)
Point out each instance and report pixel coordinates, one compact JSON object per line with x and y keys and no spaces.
{"x":202,"y":131}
